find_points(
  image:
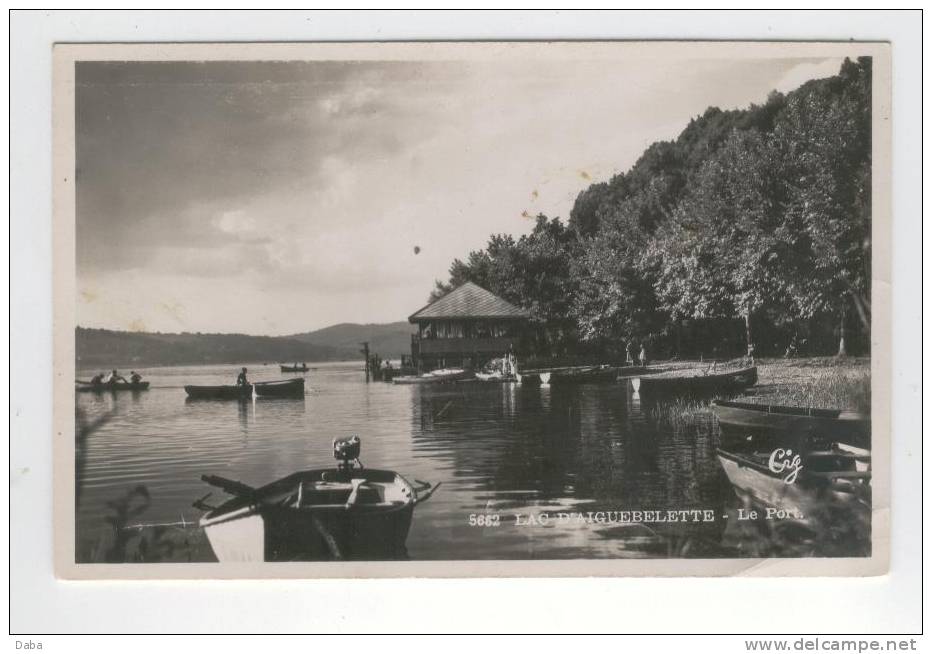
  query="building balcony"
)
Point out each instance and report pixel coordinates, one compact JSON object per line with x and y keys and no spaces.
{"x":465,"y":346}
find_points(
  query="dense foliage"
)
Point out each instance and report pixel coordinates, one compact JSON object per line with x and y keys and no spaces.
{"x":760,"y":215}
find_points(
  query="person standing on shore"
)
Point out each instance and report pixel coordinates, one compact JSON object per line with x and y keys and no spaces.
{"x":629,"y":353}
{"x":643,"y":354}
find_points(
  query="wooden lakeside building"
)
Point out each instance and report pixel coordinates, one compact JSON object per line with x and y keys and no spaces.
{"x":467,"y":328}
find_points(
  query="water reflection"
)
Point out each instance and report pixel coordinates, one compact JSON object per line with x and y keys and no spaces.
{"x":569,"y":449}
{"x":593,"y":454}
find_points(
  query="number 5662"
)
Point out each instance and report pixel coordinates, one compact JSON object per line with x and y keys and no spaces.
{"x":484,"y":520}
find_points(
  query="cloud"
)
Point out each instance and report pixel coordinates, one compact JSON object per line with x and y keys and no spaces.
{"x":289,"y":185}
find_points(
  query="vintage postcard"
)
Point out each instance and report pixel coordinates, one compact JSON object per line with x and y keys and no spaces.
{"x":471,"y":309}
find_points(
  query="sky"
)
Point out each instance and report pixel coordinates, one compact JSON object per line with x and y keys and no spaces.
{"x":283,"y":197}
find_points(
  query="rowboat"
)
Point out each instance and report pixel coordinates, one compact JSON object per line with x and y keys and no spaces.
{"x":831,"y":479}
{"x":636,"y":372}
{"x":294,"y":368}
{"x":435,"y":377}
{"x":349,"y":512}
{"x":589,"y":375}
{"x":697,"y":383}
{"x":495,"y":377}
{"x":825,"y":424}
{"x":219,"y":392}
{"x":88,"y":387}
{"x":572,"y":374}
{"x":287,"y":388}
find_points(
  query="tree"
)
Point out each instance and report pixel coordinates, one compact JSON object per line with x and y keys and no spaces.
{"x":532,"y":272}
{"x":718,"y":255}
{"x":823,"y":138}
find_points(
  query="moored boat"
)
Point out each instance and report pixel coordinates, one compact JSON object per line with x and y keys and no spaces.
{"x":88,"y":387}
{"x":294,"y":368}
{"x":590,"y":375}
{"x":636,"y":372}
{"x":503,"y":370}
{"x":495,"y":377}
{"x":349,"y":512}
{"x":800,"y":483}
{"x":829,"y":425}
{"x":692,"y":382}
{"x":287,"y":388}
{"x":572,"y":375}
{"x":436,"y":377}
{"x":219,"y":392}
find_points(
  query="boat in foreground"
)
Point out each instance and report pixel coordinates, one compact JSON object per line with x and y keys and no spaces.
{"x":350,"y":512}
{"x":829,"y":425}
{"x":242,"y":392}
{"x":692,"y":382}
{"x":287,"y":388}
{"x":88,"y":387}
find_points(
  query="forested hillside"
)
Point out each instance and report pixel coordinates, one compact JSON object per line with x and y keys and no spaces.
{"x":105,"y":348}
{"x":752,"y":226}
{"x":388,"y":340}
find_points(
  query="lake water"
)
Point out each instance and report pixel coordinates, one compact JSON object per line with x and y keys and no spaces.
{"x":517,"y":452}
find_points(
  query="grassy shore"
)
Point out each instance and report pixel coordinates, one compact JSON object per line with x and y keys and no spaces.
{"x":819,"y":382}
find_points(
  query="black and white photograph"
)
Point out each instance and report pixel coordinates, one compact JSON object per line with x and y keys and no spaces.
{"x":556,"y":304}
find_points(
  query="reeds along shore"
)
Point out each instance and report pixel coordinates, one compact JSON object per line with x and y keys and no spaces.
{"x":817,"y":382}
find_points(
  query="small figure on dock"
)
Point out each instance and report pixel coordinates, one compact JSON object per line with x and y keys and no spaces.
{"x":241,"y":378}
{"x":643,"y":355}
{"x":629,"y":353}
{"x":134,"y":377}
{"x":792,"y":349}
{"x":115,"y":377}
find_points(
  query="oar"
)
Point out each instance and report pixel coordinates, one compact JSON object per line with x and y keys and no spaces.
{"x":230,"y":486}
{"x":202,"y":505}
{"x":425,"y":486}
{"x":328,"y":537}
{"x":354,"y":494}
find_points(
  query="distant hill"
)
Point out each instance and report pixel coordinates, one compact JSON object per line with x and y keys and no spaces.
{"x":387,"y":340}
{"x":103,"y":348}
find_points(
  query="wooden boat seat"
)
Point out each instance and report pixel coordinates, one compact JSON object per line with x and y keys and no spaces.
{"x":319,"y":493}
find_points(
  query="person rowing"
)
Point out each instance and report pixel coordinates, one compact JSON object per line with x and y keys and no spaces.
{"x":97,"y":380}
{"x":241,"y":379}
{"x":115,"y":377}
{"x":135,"y":377}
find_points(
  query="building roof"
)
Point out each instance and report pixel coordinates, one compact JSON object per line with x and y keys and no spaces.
{"x":469,"y":301}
